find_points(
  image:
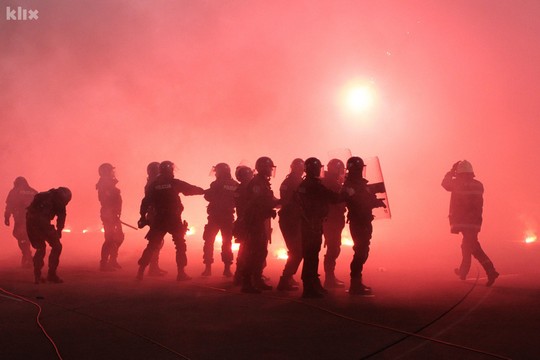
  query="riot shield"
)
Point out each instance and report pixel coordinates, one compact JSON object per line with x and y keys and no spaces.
{"x":373,"y":174}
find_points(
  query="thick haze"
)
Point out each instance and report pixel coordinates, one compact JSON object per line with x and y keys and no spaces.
{"x":201,"y":82}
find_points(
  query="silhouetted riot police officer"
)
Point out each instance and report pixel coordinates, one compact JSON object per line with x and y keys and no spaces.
{"x":220,"y":197}
{"x":260,"y":208}
{"x":290,"y":216}
{"x":163,"y":195}
{"x":314,"y":199}
{"x":243,"y":174}
{"x":148,"y":215}
{"x":334,"y":224}
{"x":44,"y":208}
{"x":360,"y":204}
{"x":111,"y":209}
{"x":17,"y":201}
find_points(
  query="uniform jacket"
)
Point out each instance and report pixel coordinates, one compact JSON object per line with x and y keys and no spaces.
{"x":466,"y":202}
{"x":45,"y":206}
{"x":17,"y":201}
{"x":289,"y":207}
{"x":336,"y":212}
{"x":221,"y":197}
{"x":260,"y":201}
{"x":314,"y":199}
{"x":359,"y":199}
{"x":109,"y":197}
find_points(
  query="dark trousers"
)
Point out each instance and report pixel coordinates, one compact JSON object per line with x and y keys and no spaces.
{"x":311,"y":246}
{"x":20,"y":233}
{"x":211,"y":229}
{"x":290,"y":229}
{"x":470,"y":246}
{"x":332,"y":239}
{"x":114,"y":237}
{"x":40,"y":233}
{"x":155,"y":237}
{"x":361,"y":236}
{"x":255,"y":250}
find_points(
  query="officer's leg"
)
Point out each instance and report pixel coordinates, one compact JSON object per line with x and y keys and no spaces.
{"x":20,"y":233}
{"x":210,"y":232}
{"x":480,"y":255}
{"x":226,"y":227}
{"x":107,"y":247}
{"x":54,"y":256}
{"x":154,"y":237}
{"x":181,"y":248}
{"x":117,"y":240}
{"x":467,"y":244}
{"x":361,"y":234}
{"x":332,"y":235}
{"x":37,"y":235}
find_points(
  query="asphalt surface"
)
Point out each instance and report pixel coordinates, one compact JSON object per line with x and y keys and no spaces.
{"x":414,"y":315}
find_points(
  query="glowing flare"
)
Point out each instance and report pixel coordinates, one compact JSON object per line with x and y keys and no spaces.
{"x":281,"y":254}
{"x":85,"y":231}
{"x":530,"y":239}
{"x":66,"y":230}
{"x":235,"y":246}
{"x":102,"y":230}
{"x":190,"y":231}
{"x":359,"y":98}
{"x":345,"y":241}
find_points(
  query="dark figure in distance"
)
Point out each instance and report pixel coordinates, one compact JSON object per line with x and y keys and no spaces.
{"x":260,"y":208}
{"x":220,"y":197}
{"x":17,"y":201}
{"x":43,"y":209}
{"x":314,"y":199}
{"x":334,"y":224}
{"x":148,"y":215}
{"x":466,"y":206}
{"x":111,"y":209}
{"x":290,"y":216}
{"x":163,"y":196}
{"x":360,"y":203}
{"x":243,"y":174}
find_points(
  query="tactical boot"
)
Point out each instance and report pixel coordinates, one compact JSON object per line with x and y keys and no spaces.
{"x":311,"y":290}
{"x":53,"y":278}
{"x":461,"y":276}
{"x":237,"y":279}
{"x":358,"y":288}
{"x":156,"y":271}
{"x":114,"y":264}
{"x":227,"y":271}
{"x":285,"y":284}
{"x":261,"y":284}
{"x":207,"y":270}
{"x":331,"y":282}
{"x":105,"y":266}
{"x":247,"y":286}
{"x":140,"y":273}
{"x":492,"y":276}
{"x":182,"y":276}
{"x":38,"y":279}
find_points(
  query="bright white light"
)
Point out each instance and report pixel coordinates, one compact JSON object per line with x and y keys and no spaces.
{"x":235,"y":246}
{"x":345,"y":241}
{"x":358,"y":98}
{"x":66,"y":230}
{"x":530,"y":239}
{"x":281,"y":254}
{"x":190,"y":231}
{"x":85,"y":231}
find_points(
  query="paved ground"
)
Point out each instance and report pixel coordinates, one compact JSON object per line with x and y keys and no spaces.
{"x":413,"y":315}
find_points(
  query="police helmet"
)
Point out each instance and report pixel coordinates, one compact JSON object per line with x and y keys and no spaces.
{"x":152,"y":169}
{"x":20,"y":181}
{"x":264,"y":166}
{"x":336,"y":167}
{"x":65,"y":194}
{"x":222,"y":170}
{"x":243,"y":173}
{"x":313,"y":167}
{"x":105,"y":170}
{"x":355,"y":163}
{"x":166,"y":168}
{"x":464,"y":167}
{"x":297,"y":166}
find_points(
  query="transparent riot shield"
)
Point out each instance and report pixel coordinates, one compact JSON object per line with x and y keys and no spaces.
{"x":373,"y":174}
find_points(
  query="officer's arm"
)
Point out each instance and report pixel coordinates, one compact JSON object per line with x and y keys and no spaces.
{"x":188,"y":189}
{"x":60,"y":219}
{"x":448,"y":181}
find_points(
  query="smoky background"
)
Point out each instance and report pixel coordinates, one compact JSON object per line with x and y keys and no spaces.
{"x":202,"y":82}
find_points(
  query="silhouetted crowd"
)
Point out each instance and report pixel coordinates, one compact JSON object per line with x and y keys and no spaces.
{"x":314,"y":204}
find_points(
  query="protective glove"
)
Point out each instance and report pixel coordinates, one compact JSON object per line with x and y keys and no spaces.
{"x":454,"y":167}
{"x":59,"y":232}
{"x":142,"y":222}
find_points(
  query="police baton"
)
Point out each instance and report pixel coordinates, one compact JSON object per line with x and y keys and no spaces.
{"x":131,"y":226}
